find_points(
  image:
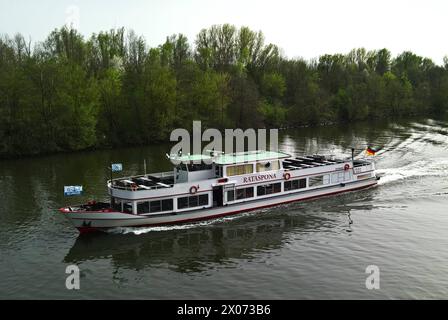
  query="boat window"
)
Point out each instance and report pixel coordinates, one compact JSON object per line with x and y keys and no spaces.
{"x":244,"y":193}
{"x":338,"y":177}
{"x":269,"y":189}
{"x":295,"y":184}
{"x":218,"y":171}
{"x":199,"y":167}
{"x":268,"y":166}
{"x":116,"y":204}
{"x":240,"y":169}
{"x":326,"y":179}
{"x":277,"y":187}
{"x":193,"y":201}
{"x":142,"y":207}
{"x":154,"y":206}
{"x":316,"y":181}
{"x":127,"y":207}
{"x":182,"y":203}
{"x":231,"y":195}
{"x":167,"y":205}
{"x":182,"y":167}
{"x":203,"y":199}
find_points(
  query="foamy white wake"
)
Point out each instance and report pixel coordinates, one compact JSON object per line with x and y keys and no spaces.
{"x":421,"y":168}
{"x":143,"y":230}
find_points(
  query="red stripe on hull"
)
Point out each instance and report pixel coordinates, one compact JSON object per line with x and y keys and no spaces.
{"x":83,"y":230}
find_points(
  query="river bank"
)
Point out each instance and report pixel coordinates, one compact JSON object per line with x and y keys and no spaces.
{"x":312,"y":250}
{"x":373,"y":122}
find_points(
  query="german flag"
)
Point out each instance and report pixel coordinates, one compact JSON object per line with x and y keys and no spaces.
{"x":370,"y":151}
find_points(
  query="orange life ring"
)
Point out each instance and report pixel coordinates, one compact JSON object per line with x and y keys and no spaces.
{"x":346,"y":167}
{"x":287,"y":176}
{"x":193,"y":189}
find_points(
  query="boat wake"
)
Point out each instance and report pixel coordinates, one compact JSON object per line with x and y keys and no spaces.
{"x":418,"y":169}
{"x":422,"y":153}
{"x":143,"y":230}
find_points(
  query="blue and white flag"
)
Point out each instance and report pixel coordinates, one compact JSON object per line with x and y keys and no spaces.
{"x":72,"y":190}
{"x":117,"y":167}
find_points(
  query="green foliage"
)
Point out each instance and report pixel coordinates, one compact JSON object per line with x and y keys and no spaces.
{"x":273,"y":85}
{"x":274,"y":115}
{"x":69,"y":93}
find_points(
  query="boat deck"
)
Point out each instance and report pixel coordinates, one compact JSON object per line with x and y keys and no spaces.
{"x":166,"y":179}
{"x":145,"y":182}
{"x":306,"y":162}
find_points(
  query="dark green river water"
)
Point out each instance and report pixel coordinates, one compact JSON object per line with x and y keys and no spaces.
{"x":316,"y":249}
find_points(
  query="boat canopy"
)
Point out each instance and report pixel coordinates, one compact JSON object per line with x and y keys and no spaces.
{"x":189,"y":158}
{"x":250,"y":156}
{"x":232,"y":158}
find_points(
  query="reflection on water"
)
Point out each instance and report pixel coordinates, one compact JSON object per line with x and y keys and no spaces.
{"x":313,"y":249}
{"x":196,"y":248}
{"x":200,"y":246}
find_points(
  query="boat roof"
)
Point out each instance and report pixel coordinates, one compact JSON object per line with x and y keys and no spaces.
{"x":233,"y":158}
{"x":190,"y":157}
{"x":249,"y":156}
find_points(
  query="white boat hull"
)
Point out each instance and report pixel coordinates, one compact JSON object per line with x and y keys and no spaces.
{"x":91,"y":221}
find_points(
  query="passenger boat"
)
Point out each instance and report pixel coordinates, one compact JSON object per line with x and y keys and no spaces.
{"x":210,"y":186}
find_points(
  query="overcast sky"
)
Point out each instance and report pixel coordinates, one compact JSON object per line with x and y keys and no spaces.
{"x":301,"y":28}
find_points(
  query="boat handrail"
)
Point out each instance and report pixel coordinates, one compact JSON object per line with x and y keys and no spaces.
{"x":132,"y":186}
{"x":157,"y":175}
{"x":139,"y":188}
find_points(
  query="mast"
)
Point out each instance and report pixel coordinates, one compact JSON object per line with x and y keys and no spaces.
{"x":111,"y":188}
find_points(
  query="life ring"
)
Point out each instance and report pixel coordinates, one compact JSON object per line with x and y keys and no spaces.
{"x":346,"y":167}
{"x":134,"y":187}
{"x":193,"y":189}
{"x":287,"y":176}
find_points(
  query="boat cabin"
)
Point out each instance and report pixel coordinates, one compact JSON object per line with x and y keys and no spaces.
{"x":218,"y":179}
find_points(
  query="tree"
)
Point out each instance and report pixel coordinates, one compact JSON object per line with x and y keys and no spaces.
{"x":67,"y":93}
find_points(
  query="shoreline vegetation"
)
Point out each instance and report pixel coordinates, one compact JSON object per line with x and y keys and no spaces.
{"x":111,"y":90}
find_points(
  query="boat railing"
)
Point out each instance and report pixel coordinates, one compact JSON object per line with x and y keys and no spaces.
{"x":129,"y":183}
{"x":160,"y":174}
{"x":361,"y":163}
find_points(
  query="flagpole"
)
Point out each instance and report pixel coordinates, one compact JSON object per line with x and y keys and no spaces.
{"x":111,"y":188}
